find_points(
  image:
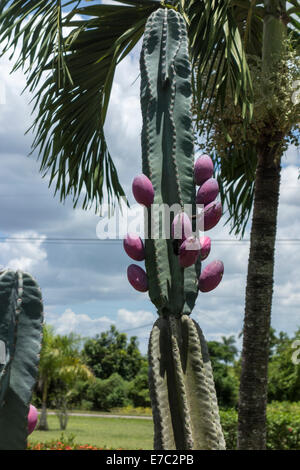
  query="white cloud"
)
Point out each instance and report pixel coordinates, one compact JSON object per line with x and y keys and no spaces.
{"x":78,"y":323}
{"x":128,"y":319}
{"x":24,"y":255}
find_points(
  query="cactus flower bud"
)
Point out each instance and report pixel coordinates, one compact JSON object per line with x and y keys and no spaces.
{"x":207,"y":192}
{"x":137,"y":277}
{"x":203,"y":169}
{"x":211,"y":276}
{"x":143,"y":190}
{"x":189,"y":251}
{"x":181,"y":226}
{"x":32,"y":418}
{"x":134,"y":247}
{"x":205,"y":243}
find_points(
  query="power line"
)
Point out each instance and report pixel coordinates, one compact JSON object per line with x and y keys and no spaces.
{"x":97,"y":241}
{"x":136,"y":328}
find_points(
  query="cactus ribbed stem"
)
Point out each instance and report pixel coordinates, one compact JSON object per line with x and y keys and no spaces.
{"x":21,"y":317}
{"x":185,"y":409}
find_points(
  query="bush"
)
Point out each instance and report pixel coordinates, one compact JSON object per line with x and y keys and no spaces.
{"x":109,"y":393}
{"x":283,"y":426}
{"x":229,"y":420}
{"x":139,"y":389}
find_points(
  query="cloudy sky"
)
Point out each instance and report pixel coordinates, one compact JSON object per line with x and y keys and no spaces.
{"x":84,"y":283}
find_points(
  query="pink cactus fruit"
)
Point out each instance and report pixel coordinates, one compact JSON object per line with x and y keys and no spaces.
{"x":143,"y":190}
{"x":32,"y":418}
{"x":207,"y":192}
{"x":134,"y":247}
{"x":210,"y":216}
{"x":181,"y":227}
{"x":203,"y":169}
{"x":189,"y":251}
{"x":137,"y":278}
{"x":205,"y":243}
{"x":211,"y":276}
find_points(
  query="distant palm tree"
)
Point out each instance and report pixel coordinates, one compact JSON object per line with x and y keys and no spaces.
{"x":227,"y":37}
{"x":59,"y":359}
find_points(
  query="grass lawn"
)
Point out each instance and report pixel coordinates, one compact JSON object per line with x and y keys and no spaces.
{"x":114,"y":433}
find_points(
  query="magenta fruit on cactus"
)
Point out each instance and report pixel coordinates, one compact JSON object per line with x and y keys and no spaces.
{"x":203,"y":169}
{"x":210,"y":215}
{"x":32,"y":418}
{"x":189,"y":251}
{"x":137,"y":278}
{"x":211,"y":276}
{"x":181,"y":227}
{"x":134,"y":247}
{"x":207,"y":192}
{"x":205,"y":243}
{"x":143,"y":190}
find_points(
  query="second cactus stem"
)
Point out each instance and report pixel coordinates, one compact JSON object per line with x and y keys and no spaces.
{"x":185,"y":409}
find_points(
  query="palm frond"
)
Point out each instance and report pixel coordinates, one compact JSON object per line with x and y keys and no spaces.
{"x":72,"y":99}
{"x":217,"y":51}
{"x":236,"y":176}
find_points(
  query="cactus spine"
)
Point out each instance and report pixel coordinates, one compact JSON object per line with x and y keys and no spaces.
{"x":21,"y":317}
{"x":181,"y":383}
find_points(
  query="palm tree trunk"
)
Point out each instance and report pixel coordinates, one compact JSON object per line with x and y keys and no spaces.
{"x":259,"y":290}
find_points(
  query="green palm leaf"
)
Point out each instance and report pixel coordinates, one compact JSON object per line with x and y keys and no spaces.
{"x":217,"y":52}
{"x":72,"y":100}
{"x":236,"y":176}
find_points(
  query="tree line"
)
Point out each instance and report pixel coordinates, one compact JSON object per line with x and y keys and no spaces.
{"x":109,"y":371}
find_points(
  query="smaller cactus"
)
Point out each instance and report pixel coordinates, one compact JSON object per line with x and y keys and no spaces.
{"x":137,"y":278}
{"x":203,"y":169}
{"x":32,"y":419}
{"x":207,"y":192}
{"x":143,"y":190}
{"x":211,"y":276}
{"x":134,"y":247}
{"x":189,"y":251}
{"x":205,"y":243}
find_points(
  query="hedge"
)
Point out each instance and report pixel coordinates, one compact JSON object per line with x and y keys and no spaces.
{"x":283,"y":426}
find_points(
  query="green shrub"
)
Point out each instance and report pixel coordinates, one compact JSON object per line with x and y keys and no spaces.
{"x":108,"y":393}
{"x":139,"y":389}
{"x":86,"y":405}
{"x":283,"y":426}
{"x":229,"y":419}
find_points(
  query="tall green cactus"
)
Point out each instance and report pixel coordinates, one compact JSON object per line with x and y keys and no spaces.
{"x":184,"y":403}
{"x":21,"y":317}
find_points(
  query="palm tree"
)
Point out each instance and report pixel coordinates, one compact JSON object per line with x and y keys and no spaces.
{"x":226,"y":39}
{"x":270,"y":37}
{"x":61,"y":360}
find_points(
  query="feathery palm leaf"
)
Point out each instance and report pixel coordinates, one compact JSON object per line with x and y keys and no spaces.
{"x":72,"y":101}
{"x":237,"y":169}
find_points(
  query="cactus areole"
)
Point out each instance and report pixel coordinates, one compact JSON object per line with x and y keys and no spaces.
{"x":184,"y":404}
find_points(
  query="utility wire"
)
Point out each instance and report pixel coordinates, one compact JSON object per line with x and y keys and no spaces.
{"x":97,"y":241}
